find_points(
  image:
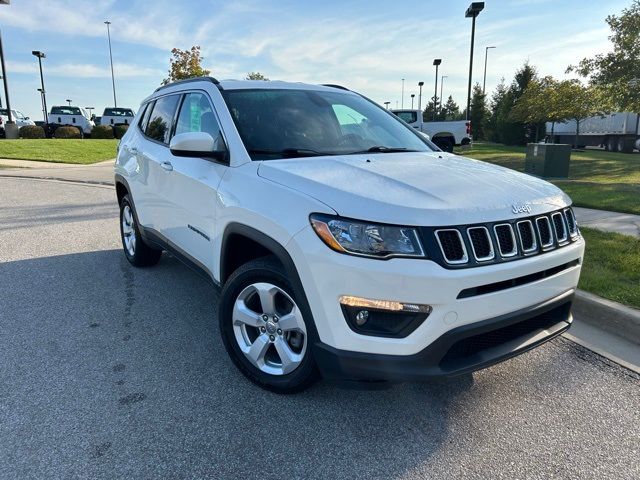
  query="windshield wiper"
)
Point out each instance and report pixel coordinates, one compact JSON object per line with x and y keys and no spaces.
{"x":382,"y":149}
{"x":290,"y":152}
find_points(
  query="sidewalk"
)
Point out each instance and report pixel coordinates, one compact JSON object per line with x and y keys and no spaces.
{"x":624,"y":223}
{"x":100,"y":173}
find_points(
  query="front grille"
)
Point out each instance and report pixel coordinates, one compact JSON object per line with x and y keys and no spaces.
{"x":480,"y":243}
{"x":464,"y":246}
{"x":452,"y":246}
{"x":506,"y":240}
{"x":558,"y":225}
{"x":544,"y":231}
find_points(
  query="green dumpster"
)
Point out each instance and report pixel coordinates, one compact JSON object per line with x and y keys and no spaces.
{"x":548,"y":160}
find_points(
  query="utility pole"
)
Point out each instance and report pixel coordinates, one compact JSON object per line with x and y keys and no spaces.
{"x":113,"y":80}
{"x":484,"y":81}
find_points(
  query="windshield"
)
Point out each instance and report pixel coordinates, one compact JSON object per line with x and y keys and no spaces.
{"x":286,"y":123}
{"x":118,"y":112}
{"x":65,"y":111}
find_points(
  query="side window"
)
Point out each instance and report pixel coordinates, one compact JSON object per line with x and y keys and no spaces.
{"x":144,"y":120}
{"x":196,"y":115}
{"x":161,"y":119}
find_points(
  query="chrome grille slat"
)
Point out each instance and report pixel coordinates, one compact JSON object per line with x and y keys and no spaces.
{"x":504,"y":232}
{"x":560,"y":228}
{"x":481,"y":243}
{"x":450,"y":240}
{"x":571,"y":222}
{"x":543,"y":224}
{"x":529,"y":244}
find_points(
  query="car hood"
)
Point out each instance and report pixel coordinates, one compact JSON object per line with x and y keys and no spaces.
{"x":421,"y":188}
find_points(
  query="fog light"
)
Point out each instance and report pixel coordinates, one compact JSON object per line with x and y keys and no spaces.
{"x":383,"y":318}
{"x":362,"y":317}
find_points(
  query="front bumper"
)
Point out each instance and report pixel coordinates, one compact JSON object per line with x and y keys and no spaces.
{"x":461,"y":350}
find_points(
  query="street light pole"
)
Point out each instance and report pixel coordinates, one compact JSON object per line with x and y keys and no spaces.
{"x":441,"y":82}
{"x":412,"y":97}
{"x":420,"y":84}
{"x":43,"y":92}
{"x":386,"y":104}
{"x":68,"y":101}
{"x":484,"y":81}
{"x":90,"y":109}
{"x":436,"y":62}
{"x":5,"y":82}
{"x":113,"y":80}
{"x":402,"y":103}
{"x":472,"y":12}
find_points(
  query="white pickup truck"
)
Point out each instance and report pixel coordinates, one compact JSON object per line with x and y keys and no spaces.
{"x":444,"y":134}
{"x":16,"y":116}
{"x":71,"y":116}
{"x":117,"y":116}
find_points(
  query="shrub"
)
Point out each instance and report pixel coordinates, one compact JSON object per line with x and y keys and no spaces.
{"x":67,"y":132}
{"x":31,"y":131}
{"x":102,"y":131}
{"x":120,"y":130}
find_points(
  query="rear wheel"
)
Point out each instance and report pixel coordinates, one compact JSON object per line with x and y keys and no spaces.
{"x":625,"y":145}
{"x":445,"y":144}
{"x":263,"y":328}
{"x":136,"y":250}
{"x":612,"y":144}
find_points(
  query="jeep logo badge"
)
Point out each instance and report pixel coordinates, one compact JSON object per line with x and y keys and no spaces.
{"x":524,"y":208}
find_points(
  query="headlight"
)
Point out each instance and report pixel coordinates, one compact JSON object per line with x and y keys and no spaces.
{"x":369,"y":239}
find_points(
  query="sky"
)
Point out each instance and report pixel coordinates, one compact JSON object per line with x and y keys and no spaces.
{"x":366,"y":45}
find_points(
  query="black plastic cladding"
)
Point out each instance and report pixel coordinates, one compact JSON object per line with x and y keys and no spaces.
{"x":429,"y":242}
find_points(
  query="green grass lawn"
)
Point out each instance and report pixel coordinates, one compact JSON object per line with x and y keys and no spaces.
{"x":59,"y":150}
{"x":597,"y":179}
{"x":612,"y":266}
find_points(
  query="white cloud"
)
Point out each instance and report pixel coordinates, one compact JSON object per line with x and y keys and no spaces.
{"x":84,"y":70}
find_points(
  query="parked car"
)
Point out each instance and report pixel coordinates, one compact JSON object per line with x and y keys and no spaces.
{"x":444,"y":134}
{"x":117,"y":116}
{"x":345,"y":244}
{"x":71,"y":116}
{"x":16,"y":115}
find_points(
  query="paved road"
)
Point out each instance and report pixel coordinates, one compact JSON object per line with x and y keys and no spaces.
{"x":111,"y":372}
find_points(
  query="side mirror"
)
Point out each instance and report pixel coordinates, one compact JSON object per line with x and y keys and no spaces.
{"x":198,"y":144}
{"x":26,"y":118}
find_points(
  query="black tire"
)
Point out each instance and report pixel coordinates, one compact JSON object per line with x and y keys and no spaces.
{"x":612,"y":143}
{"x":142,"y":255}
{"x":445,"y":144}
{"x":267,"y":270}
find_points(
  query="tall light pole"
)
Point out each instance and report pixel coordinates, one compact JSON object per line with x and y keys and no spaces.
{"x":386,"y":104}
{"x":68,"y":101}
{"x":113,"y":80}
{"x":90,"y":109}
{"x":420,"y":84}
{"x":413,"y":95}
{"x":402,"y":102}
{"x":441,"y":82}
{"x":484,"y":81}
{"x":5,"y":82}
{"x":472,"y":12}
{"x":436,"y":62}
{"x":43,"y":92}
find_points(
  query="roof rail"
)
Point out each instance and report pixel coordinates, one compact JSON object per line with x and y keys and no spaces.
{"x":188,"y":80}
{"x":335,"y":86}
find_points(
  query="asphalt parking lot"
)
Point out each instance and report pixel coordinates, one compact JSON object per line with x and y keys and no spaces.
{"x":112,"y":372}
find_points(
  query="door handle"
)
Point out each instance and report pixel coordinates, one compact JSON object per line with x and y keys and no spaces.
{"x":167,"y":166}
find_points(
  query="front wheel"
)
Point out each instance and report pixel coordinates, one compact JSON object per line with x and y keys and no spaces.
{"x":263,"y":328}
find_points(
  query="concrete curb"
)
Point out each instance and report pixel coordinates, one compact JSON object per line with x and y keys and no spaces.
{"x":610,"y":316}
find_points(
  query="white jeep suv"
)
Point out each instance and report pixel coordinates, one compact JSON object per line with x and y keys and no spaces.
{"x":346,"y":244}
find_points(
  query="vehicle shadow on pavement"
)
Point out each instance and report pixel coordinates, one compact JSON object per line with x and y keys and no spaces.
{"x":107,"y":371}
{"x":129,"y":361}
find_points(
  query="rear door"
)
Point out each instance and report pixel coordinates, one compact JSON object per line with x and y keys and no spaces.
{"x":154,"y":158}
{"x":190,"y":188}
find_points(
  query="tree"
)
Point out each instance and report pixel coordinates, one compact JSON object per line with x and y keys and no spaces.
{"x":538,"y":104}
{"x":185,"y":64}
{"x":495,"y":107}
{"x":510,"y":131}
{"x":431,"y":110}
{"x":450,"y":110}
{"x":478,"y":111}
{"x":256,"y":76}
{"x":571,"y":100}
{"x":617,"y":73}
